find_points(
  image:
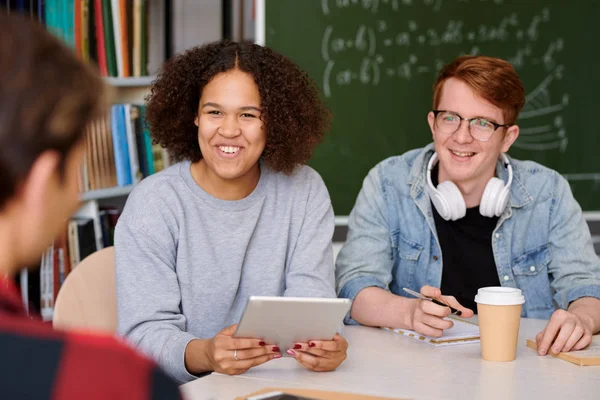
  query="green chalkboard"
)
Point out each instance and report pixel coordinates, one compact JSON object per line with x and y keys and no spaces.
{"x":376,"y":61}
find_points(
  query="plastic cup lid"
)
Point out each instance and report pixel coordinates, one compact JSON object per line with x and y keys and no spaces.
{"x":499,"y":296}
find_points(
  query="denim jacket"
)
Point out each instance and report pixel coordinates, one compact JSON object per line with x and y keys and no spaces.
{"x":541,"y":244}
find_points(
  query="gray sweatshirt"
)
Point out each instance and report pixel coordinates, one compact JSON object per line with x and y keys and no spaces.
{"x":186,"y":262}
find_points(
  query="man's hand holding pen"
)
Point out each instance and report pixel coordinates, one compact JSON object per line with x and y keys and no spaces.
{"x":427,"y":315}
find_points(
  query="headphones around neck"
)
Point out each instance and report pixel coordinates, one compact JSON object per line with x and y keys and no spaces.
{"x":448,"y":200}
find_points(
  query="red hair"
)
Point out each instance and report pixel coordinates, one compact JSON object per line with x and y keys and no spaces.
{"x":493,"y":79}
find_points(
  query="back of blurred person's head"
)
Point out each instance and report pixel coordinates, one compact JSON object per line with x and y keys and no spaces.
{"x":47,"y":99}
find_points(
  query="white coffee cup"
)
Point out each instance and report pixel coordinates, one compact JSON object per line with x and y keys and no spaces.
{"x":499,"y":310}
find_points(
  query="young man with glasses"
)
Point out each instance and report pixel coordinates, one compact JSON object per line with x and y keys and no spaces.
{"x":459,"y":214}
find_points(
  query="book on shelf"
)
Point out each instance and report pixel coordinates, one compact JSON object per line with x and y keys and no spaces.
{"x":96,"y":30}
{"x":109,"y":37}
{"x":120,"y":145}
{"x":82,"y":234}
{"x":115,"y":15}
{"x":131,"y":116}
{"x":47,"y":283}
{"x":136,"y":37}
{"x":108,"y":222}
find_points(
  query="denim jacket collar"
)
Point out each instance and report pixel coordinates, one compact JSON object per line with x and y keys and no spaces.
{"x":519,"y":196}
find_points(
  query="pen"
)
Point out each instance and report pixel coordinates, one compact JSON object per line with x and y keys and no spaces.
{"x":439,"y":303}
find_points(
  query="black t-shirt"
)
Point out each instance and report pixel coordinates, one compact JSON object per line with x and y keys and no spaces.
{"x":466,"y":253}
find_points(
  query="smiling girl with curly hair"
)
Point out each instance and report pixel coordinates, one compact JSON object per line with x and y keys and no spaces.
{"x":239,"y":215}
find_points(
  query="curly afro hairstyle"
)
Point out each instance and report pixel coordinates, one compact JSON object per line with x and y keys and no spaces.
{"x":294,"y":116}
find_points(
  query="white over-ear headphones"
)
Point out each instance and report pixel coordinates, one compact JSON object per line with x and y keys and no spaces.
{"x":448,"y":200}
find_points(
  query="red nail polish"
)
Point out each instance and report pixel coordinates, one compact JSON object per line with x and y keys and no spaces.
{"x":261,"y":343}
{"x":297,"y":346}
{"x":311,"y":344}
{"x":275,"y":349}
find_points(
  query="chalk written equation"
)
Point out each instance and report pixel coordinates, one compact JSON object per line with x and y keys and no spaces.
{"x":372,"y":42}
{"x":391,"y":45}
{"x":373,"y":5}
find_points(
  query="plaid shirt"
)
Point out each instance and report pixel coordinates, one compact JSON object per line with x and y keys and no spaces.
{"x":37,"y":362}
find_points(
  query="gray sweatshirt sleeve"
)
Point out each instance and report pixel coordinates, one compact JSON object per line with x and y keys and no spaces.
{"x":310,"y":272}
{"x":148,"y":294}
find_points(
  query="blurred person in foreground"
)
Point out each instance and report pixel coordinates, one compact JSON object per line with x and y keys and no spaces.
{"x":47,"y":99}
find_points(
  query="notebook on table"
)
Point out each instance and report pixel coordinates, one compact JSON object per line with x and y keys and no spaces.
{"x":588,"y":356}
{"x":463,"y":332}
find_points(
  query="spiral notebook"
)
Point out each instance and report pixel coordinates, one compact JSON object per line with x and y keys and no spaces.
{"x":463,"y":332}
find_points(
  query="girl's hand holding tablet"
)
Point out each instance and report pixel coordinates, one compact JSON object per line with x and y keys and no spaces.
{"x":321,"y":355}
{"x":233,"y":356}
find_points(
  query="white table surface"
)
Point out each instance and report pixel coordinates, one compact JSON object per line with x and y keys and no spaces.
{"x":387,"y":364}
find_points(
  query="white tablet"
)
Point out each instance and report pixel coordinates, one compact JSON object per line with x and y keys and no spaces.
{"x":283,"y":321}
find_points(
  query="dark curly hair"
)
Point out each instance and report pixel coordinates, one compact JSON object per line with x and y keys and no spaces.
{"x":294,"y":116}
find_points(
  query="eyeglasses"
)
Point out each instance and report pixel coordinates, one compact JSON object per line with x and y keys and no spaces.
{"x":448,"y":122}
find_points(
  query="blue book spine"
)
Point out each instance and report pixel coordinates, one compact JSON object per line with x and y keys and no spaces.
{"x":123,"y":120}
{"x":117,"y":125}
{"x":57,"y":20}
{"x":114,"y":130}
{"x":147,"y":141}
{"x":149,"y":159}
{"x":69,"y":22}
{"x":50,"y":16}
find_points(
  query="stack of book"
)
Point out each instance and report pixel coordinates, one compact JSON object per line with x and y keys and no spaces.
{"x":114,"y":34}
{"x":119,"y":151}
